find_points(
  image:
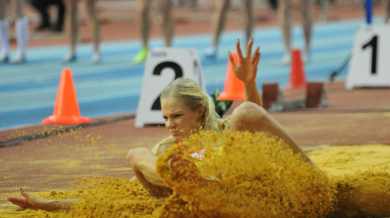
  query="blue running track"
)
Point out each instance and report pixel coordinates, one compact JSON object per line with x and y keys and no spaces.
{"x":28,"y":91}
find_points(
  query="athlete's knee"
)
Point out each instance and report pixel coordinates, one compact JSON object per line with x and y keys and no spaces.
{"x":248,"y":107}
{"x":306,"y":14}
{"x":248,"y":113}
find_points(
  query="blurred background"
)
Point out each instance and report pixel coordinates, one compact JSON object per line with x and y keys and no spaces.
{"x":28,"y":90}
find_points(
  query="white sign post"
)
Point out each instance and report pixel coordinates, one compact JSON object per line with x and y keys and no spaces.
{"x":161,"y":68}
{"x":370,"y":63}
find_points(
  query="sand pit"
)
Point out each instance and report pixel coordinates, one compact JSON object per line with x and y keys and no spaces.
{"x":254,"y":176}
{"x":361,"y":175}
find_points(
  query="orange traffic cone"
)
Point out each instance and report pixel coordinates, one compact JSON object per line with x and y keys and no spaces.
{"x":297,"y":73}
{"x":234,"y":88}
{"x":66,"y":109}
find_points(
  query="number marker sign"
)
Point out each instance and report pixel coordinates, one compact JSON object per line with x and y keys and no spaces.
{"x":161,"y":68}
{"x":370,"y":63}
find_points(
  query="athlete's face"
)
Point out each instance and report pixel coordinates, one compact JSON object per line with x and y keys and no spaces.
{"x":180,"y":120}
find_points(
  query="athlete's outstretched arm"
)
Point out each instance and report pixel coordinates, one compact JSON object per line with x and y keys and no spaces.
{"x":246,"y":71}
{"x":31,"y":202}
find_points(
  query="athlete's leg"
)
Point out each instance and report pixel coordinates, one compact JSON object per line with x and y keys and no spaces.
{"x":324,"y":10}
{"x":249,"y":19}
{"x":284,"y":20}
{"x":219,"y":17}
{"x":73,"y":30}
{"x":253,"y":118}
{"x":144,"y":22}
{"x":387,"y":11}
{"x":3,"y":11}
{"x":143,"y":163}
{"x":167,"y":22}
{"x":4,"y":33}
{"x":144,"y":28}
{"x":94,"y":25}
{"x":307,"y":27}
{"x":217,"y":25}
{"x":22,"y":32}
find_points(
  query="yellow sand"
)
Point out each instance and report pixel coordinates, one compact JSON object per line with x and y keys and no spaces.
{"x":361,"y":175}
{"x":258,"y":177}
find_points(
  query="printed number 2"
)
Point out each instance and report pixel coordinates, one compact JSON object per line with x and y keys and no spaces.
{"x":157,"y":71}
{"x":374,"y":43}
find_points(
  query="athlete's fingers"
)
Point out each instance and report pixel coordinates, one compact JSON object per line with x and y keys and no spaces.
{"x":33,"y":202}
{"x":257,"y":60}
{"x":17,"y":200}
{"x":255,"y":56}
{"x":249,"y":49}
{"x":239,"y":52}
{"x":231,"y":59}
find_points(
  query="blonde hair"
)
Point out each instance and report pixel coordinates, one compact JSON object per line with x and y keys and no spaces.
{"x":194,"y":98}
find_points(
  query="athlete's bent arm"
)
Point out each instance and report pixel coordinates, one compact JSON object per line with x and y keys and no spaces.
{"x":246,"y":71}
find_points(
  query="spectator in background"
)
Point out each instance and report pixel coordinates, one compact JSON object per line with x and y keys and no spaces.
{"x":144,"y":25}
{"x":284,"y":12}
{"x":42,"y":7}
{"x":22,"y":32}
{"x":74,"y":28}
{"x":218,"y":23}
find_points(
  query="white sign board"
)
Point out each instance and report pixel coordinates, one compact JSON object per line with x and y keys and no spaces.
{"x":161,"y":68}
{"x":370,"y":63}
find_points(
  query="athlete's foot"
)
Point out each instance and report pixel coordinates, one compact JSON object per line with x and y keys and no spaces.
{"x":211,"y":53}
{"x":141,"y":56}
{"x":95,"y":59}
{"x":19,"y":59}
{"x":69,"y":58}
{"x":286,"y":60}
{"x":4,"y":58}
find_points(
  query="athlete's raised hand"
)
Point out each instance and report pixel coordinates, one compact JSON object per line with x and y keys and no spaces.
{"x":246,"y":68}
